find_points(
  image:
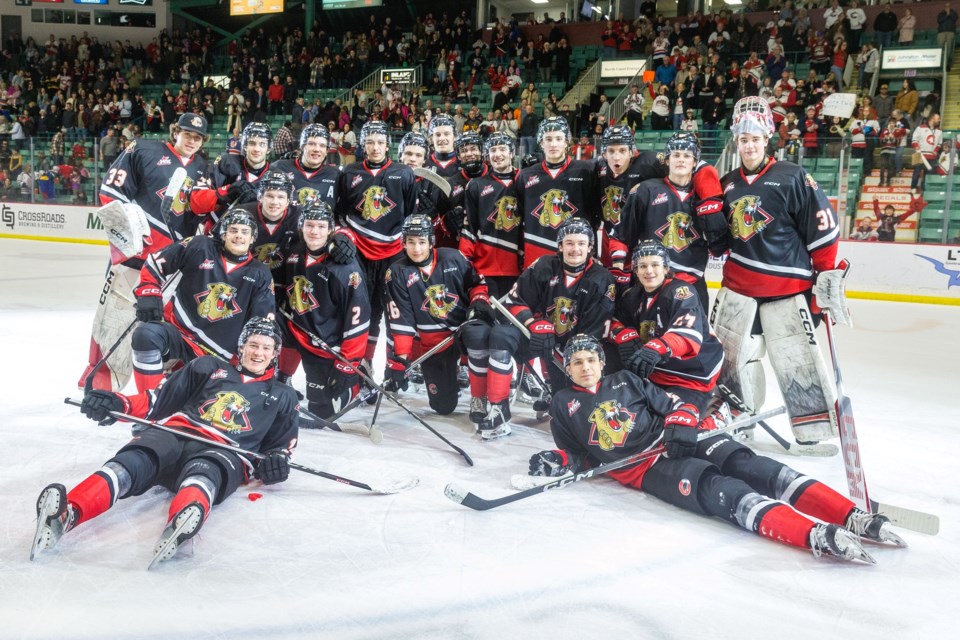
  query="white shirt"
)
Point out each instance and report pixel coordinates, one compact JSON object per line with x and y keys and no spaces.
{"x":831,"y":15}
{"x":856,"y":17}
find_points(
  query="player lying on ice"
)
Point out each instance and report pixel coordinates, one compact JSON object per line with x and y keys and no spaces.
{"x":238,"y":405}
{"x":601,"y":419}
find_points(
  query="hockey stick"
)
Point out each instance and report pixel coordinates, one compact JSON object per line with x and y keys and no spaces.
{"x":396,"y":487}
{"x":467,"y":499}
{"x":431,"y":177}
{"x":498,"y":305}
{"x":375,"y":435}
{"x":819,"y":450}
{"x":169,"y":195}
{"x":370,"y":381}
{"x":856,"y":481}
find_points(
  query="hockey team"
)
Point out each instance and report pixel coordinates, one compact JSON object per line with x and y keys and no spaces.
{"x":575,"y":285}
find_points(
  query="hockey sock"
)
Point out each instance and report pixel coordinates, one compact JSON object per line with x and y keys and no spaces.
{"x":823,"y":503}
{"x":499,"y":377}
{"x":147,"y":381}
{"x":477,"y":364}
{"x":773,"y":519}
{"x":197,"y":489}
{"x":94,"y":495}
{"x":371,"y":348}
{"x":289,"y":361}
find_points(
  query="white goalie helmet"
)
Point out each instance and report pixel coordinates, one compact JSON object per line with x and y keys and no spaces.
{"x":752,"y":114}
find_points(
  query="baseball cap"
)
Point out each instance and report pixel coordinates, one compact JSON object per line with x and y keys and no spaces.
{"x":193,"y":122}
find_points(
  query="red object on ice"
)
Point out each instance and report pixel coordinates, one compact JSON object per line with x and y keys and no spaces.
{"x":254,"y":496}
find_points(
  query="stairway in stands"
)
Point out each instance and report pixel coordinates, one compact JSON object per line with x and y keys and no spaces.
{"x":951,"y":107}
{"x":898,"y":195}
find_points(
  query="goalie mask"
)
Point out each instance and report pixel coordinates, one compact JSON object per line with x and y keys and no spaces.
{"x":752,"y":115}
{"x":582,"y":342}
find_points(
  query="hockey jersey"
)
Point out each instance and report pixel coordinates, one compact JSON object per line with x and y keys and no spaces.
{"x":613,"y":196}
{"x":215,"y":296}
{"x":274,"y":239}
{"x":320,"y":183}
{"x":327,"y":299}
{"x":443,"y":164}
{"x":548,"y":196}
{"x":492,"y":232}
{"x":141,"y":174}
{"x":374,"y":203}
{"x":673,"y":314}
{"x":782,"y":231}
{"x":226,"y":171}
{"x":430,"y":302}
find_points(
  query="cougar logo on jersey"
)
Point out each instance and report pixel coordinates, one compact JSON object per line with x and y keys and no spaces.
{"x":375,"y":204}
{"x":561,"y":314}
{"x":269,"y":254}
{"x":354,"y":280}
{"x":611,"y":204}
{"x":300,"y":295}
{"x":228,"y":412}
{"x":553,"y":209}
{"x":438,"y":303}
{"x":217,"y":302}
{"x":504,"y":218}
{"x":747,"y":218}
{"x":610,"y":423}
{"x":678,"y":233}
{"x":810,"y":181}
{"x":306,"y":195}
{"x":647,"y":330}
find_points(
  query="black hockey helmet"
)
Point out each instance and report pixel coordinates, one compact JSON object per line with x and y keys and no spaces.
{"x":650,"y":248}
{"x":615,"y":135}
{"x":275,"y":181}
{"x":256,"y":130}
{"x":317,"y":210}
{"x":414,"y":139}
{"x":260,"y":326}
{"x":498,"y":139}
{"x":418,"y":226}
{"x":574,"y":225}
{"x":236,"y":215}
{"x":314,"y":131}
{"x":582,"y":342}
{"x":556,"y":123}
{"x":440,"y":120}
{"x":683,"y":141}
{"x":373,"y":127}
{"x":465,"y":140}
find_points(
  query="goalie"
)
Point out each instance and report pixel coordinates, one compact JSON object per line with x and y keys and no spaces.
{"x":781,"y":271}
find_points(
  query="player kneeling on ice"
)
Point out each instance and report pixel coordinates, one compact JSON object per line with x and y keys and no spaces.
{"x":433,"y":293}
{"x":239,"y":405}
{"x":602,"y":419}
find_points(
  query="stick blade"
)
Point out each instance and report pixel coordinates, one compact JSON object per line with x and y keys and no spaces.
{"x":400,"y":486}
{"x":911,"y":519}
{"x":466,"y":498}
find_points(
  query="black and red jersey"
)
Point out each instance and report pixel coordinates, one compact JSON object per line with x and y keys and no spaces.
{"x":430,"y":302}
{"x":673,"y":314}
{"x":548,"y":196}
{"x":215,"y":297}
{"x":320,"y":183}
{"x":783,"y":231}
{"x":374,"y":203}
{"x":230,"y":168}
{"x":274,"y":239}
{"x":614,"y":190}
{"x":445,"y":165}
{"x":326,"y":299}
{"x":492,"y":232}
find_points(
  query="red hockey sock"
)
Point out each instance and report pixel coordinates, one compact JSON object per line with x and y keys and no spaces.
{"x":783,"y":524}
{"x":289,"y":361}
{"x":498,"y":385}
{"x":93,"y":496}
{"x":371,"y":349}
{"x":147,"y":381}
{"x":823,"y":503}
{"x":186,"y":495}
{"x":478,"y":385}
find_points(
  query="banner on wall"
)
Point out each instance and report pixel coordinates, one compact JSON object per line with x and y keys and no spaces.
{"x":45,"y":222}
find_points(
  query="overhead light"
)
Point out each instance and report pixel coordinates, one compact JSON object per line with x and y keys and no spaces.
{"x":539,"y":1}
{"x":734,"y":3}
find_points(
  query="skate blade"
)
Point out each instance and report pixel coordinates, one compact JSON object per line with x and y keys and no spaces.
{"x":49,"y":506}
{"x":493,"y":434}
{"x":167,"y":547}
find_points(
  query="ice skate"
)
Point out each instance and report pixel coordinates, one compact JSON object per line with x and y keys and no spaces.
{"x":463,"y":377}
{"x":478,"y":410}
{"x":529,"y":390}
{"x":835,"y":541}
{"x":54,"y":518}
{"x":497,"y":422}
{"x":182,"y":527}
{"x":873,"y":527}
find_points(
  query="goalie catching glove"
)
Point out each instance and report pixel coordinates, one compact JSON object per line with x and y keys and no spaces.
{"x":830,"y":293}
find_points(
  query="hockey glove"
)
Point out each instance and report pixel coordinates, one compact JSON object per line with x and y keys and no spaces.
{"x":628,"y":343}
{"x":342,"y":250}
{"x":149,"y":303}
{"x":529,"y":160}
{"x":274,"y":468}
{"x":342,"y":378}
{"x":97,"y":405}
{"x":480,"y":309}
{"x":241,"y":192}
{"x":542,"y":337}
{"x":553,"y":463}
{"x":680,"y":431}
{"x":646,"y":359}
{"x":715,"y":226}
{"x":620,"y":276}
{"x":395,"y":377}
{"x":830,"y":293}
{"x":454,"y":219}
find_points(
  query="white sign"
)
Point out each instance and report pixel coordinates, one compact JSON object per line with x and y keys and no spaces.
{"x":839,"y":104}
{"x":912,"y":59}
{"x":46,"y":222}
{"x":622,"y":68}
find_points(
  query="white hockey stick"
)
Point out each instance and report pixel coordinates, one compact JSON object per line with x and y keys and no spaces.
{"x":439,"y":181}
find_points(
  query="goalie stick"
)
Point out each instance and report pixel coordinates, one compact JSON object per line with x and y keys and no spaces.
{"x":171,"y":193}
{"x":439,"y":181}
{"x":310,"y":420}
{"x":467,"y":499}
{"x":396,"y":487}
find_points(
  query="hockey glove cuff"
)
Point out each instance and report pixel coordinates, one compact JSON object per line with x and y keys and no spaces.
{"x":97,"y":405}
{"x":680,"y":431}
{"x":274,"y":468}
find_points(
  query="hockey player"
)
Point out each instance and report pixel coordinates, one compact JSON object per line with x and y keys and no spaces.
{"x":431,"y":294}
{"x":141,"y":218}
{"x":661,"y":330}
{"x":783,"y":250}
{"x":469,"y":148}
{"x":442,"y":131}
{"x":234,"y":177}
{"x":377,"y":196}
{"x":553,"y":190}
{"x":492,"y":232}
{"x":313,"y":178}
{"x":665,"y":209}
{"x":276,"y":222}
{"x":601,"y":419}
{"x":328,"y":300}
{"x":221,"y":286}
{"x":239,"y":405}
{"x":431,"y":200}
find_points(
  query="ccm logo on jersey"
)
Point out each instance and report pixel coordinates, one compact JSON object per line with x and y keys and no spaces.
{"x":660,"y":199}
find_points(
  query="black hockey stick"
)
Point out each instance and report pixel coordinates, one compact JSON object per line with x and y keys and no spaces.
{"x":310,"y":420}
{"x":396,"y":487}
{"x":370,"y":381}
{"x":477,"y":503}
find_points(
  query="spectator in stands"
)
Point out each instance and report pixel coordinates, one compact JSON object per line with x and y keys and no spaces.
{"x":907,"y":99}
{"x":907,"y":24}
{"x":810,"y":128}
{"x":864,"y":131}
{"x":883,"y":103}
{"x":857,"y":19}
{"x":584,"y":149}
{"x":837,"y":68}
{"x":884,"y":26}
{"x":661,"y":113}
{"x":947,"y":31}
{"x":927,"y":142}
{"x":868,"y":61}
{"x":865,"y":231}
{"x":283,"y":140}
{"x":529,"y":124}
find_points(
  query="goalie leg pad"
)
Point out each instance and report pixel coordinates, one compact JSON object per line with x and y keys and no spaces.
{"x":115,"y":312}
{"x":742,"y":380}
{"x":807,"y":387}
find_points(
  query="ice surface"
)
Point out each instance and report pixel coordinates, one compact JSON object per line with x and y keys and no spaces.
{"x":317,"y":559}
